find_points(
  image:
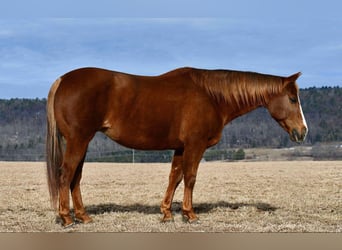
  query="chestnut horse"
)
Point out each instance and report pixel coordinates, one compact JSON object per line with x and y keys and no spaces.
{"x":184,"y":110}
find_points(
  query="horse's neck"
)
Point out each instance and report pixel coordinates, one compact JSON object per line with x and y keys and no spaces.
{"x":231,"y":110}
{"x":242,"y":101}
{"x":237,"y":93}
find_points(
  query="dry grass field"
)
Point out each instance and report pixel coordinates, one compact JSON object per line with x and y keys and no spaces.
{"x":293,"y":196}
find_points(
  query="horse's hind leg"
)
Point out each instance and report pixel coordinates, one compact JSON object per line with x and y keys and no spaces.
{"x":74,"y":154}
{"x":80,"y":213}
{"x":175,"y":178}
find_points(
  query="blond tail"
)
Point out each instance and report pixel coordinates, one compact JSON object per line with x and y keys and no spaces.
{"x":54,"y":151}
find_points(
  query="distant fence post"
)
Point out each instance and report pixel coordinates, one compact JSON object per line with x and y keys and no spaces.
{"x":133,"y":160}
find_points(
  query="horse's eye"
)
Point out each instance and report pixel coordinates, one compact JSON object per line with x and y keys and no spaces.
{"x":293,"y":99}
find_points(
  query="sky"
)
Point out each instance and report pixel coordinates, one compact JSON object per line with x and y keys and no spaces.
{"x":43,"y":40}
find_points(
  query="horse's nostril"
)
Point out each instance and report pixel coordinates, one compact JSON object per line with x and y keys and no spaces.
{"x":304,"y":132}
{"x":295,"y":135}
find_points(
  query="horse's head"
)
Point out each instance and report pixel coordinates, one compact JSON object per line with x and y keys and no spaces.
{"x":285,"y":108}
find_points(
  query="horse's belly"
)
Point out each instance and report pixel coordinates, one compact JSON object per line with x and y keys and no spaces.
{"x":153,"y":138}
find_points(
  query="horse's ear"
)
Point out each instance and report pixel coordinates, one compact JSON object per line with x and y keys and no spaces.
{"x":290,"y":83}
{"x":293,"y":78}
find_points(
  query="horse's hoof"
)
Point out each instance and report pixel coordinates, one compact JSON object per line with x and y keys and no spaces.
{"x":65,"y":226}
{"x":167,"y":219}
{"x":85,"y":219}
{"x":67,"y":221}
{"x":193,"y":220}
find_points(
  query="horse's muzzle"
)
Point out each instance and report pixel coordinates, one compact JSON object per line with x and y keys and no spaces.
{"x":298,"y":136}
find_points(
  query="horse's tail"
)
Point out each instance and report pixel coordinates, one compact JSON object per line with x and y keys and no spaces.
{"x":54,"y":151}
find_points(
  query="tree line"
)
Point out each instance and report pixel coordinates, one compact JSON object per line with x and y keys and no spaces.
{"x":23,"y":128}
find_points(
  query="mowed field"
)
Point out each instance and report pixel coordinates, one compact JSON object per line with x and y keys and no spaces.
{"x":292,"y":196}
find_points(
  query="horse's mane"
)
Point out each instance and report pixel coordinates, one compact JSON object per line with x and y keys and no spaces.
{"x":241,"y":88}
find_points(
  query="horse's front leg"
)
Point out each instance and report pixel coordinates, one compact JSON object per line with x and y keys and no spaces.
{"x":175,"y":178}
{"x":192,"y":157}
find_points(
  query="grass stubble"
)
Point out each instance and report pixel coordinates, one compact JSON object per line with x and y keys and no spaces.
{"x":279,"y":196}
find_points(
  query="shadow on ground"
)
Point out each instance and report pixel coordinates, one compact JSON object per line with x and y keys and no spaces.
{"x":176,"y":207}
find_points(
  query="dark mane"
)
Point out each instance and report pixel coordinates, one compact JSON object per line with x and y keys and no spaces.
{"x":242,"y":88}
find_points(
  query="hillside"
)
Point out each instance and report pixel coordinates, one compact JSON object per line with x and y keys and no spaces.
{"x":23,"y":126}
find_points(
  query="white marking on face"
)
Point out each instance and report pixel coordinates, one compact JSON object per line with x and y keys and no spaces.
{"x":303,"y":118}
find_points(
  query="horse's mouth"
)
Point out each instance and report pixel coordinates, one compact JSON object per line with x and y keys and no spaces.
{"x":295,"y":138}
{"x":298,"y":137}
